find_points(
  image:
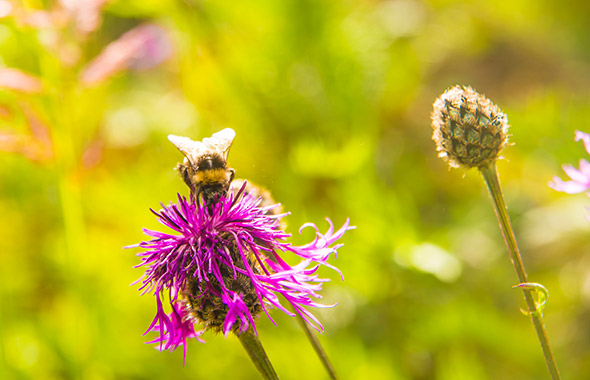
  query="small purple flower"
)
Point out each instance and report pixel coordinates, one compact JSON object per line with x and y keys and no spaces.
{"x":580,"y":178}
{"x":222,"y":267}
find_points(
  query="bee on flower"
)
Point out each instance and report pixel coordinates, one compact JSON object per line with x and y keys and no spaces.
{"x":221,"y":264}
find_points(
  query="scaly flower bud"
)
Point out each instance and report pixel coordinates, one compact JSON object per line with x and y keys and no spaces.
{"x":468,"y":129}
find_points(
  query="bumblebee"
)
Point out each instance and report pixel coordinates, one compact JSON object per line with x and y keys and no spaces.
{"x":204,"y":169}
{"x":206,"y":173}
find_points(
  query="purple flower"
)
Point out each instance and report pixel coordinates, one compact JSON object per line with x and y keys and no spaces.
{"x":580,"y":177}
{"x":222,"y":268}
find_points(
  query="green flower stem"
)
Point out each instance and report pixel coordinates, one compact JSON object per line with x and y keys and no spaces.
{"x":254,"y":348}
{"x":317,"y":346}
{"x":490,"y":176}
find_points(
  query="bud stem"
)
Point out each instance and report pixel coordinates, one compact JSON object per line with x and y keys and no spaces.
{"x":490,"y":176}
{"x":254,"y":348}
{"x":317,"y":346}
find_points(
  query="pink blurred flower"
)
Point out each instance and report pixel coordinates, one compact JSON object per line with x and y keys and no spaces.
{"x":143,"y":47}
{"x":36,"y":145}
{"x":580,"y":178}
{"x":86,"y":13}
{"x":15,"y":79}
{"x":6,"y":8}
{"x":39,"y":19}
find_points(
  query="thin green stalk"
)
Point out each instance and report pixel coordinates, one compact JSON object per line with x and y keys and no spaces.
{"x":317,"y":346}
{"x":254,"y":348}
{"x":490,"y":176}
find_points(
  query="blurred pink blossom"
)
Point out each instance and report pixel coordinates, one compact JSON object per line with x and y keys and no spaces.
{"x":86,"y":13}
{"x":142,"y":47}
{"x":93,"y":153}
{"x":36,"y":145}
{"x":580,"y":178}
{"x":15,"y":79}
{"x":6,"y":8}
{"x":40,"y":19}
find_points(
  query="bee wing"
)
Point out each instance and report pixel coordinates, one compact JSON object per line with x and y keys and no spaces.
{"x":191,"y":149}
{"x":219,"y":143}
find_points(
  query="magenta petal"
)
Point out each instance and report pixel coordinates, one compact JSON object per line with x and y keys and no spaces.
{"x":570,"y":187}
{"x":176,"y":330}
{"x":574,"y":174}
{"x":585,"y":169}
{"x":585,"y":137}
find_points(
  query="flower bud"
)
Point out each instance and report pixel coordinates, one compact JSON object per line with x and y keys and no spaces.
{"x":468,"y":129}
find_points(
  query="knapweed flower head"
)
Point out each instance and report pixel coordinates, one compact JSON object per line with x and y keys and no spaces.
{"x":468,"y":129}
{"x":580,"y":178}
{"x":221,"y":267}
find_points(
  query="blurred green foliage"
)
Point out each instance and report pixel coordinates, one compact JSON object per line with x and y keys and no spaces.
{"x":330,"y":101}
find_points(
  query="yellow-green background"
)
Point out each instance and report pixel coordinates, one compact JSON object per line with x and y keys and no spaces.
{"x":330,"y":101}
